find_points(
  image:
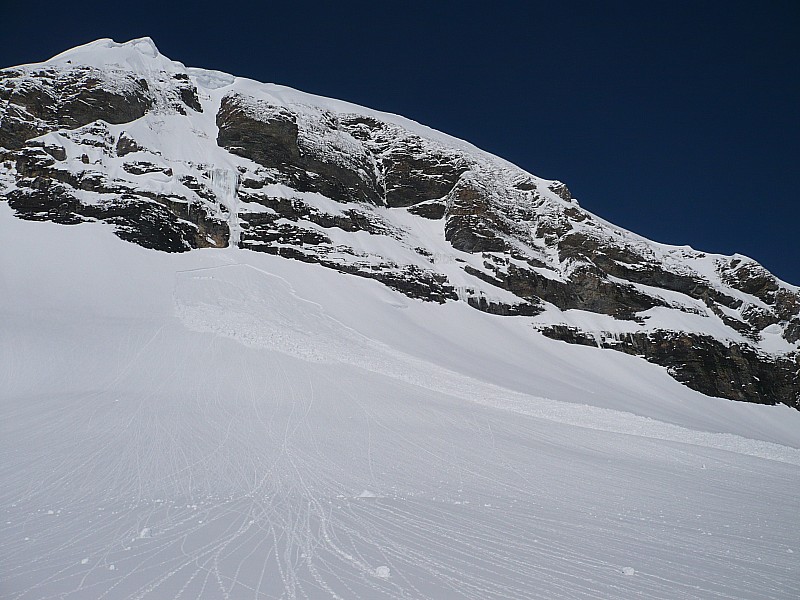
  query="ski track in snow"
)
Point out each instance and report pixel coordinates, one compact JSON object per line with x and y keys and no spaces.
{"x":261,"y":496}
{"x":257,"y":447}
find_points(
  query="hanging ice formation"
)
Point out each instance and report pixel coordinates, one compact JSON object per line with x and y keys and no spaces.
{"x":225,"y":184}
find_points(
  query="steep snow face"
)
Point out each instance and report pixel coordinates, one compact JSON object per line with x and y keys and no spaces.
{"x":227,"y":423}
{"x":177,"y":159}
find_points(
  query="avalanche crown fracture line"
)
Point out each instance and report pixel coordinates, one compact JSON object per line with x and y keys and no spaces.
{"x":176,"y":158}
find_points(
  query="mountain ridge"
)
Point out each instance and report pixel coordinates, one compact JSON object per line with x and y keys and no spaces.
{"x":176,"y":158}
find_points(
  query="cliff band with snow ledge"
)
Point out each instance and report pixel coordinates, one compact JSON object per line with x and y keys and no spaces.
{"x":177,"y":158}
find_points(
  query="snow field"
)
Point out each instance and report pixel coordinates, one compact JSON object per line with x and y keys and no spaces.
{"x":223,"y":424}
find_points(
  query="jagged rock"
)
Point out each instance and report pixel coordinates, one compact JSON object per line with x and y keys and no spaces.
{"x":36,"y":101}
{"x":429,"y":210}
{"x":750,"y":278}
{"x":523,"y":309}
{"x":470,"y":227}
{"x":142,"y":168}
{"x":703,"y":363}
{"x":561,"y":190}
{"x":187,"y":92}
{"x":57,"y":152}
{"x":270,"y":136}
{"x":18,"y":126}
{"x":792,"y":331}
{"x":126,"y":145}
{"x":411,"y":172}
{"x":413,"y":175}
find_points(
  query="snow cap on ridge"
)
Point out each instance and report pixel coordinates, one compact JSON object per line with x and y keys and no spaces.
{"x":140,"y":54}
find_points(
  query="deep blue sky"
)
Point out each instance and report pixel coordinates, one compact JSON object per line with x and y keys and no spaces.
{"x":677,"y":120}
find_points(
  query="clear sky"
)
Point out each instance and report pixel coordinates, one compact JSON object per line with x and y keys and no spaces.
{"x":677,"y":120}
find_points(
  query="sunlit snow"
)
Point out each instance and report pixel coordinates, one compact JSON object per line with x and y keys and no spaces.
{"x":229,"y":424}
{"x":226,"y":424}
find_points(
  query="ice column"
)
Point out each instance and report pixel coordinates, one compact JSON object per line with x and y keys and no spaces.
{"x":225,"y":184}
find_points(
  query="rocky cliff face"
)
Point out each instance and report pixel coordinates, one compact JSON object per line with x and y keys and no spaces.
{"x":175,"y":159}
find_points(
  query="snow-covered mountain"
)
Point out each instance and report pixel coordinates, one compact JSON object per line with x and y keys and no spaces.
{"x":355,"y":384}
{"x":178,"y":158}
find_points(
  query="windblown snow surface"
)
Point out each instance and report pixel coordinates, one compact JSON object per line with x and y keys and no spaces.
{"x":228,"y":424}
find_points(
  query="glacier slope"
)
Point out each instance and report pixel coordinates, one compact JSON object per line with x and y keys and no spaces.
{"x":228,"y":424}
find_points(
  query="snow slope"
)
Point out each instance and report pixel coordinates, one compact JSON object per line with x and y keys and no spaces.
{"x":228,"y":424}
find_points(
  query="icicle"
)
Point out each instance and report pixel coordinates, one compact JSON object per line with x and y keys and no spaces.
{"x":225,"y":185}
